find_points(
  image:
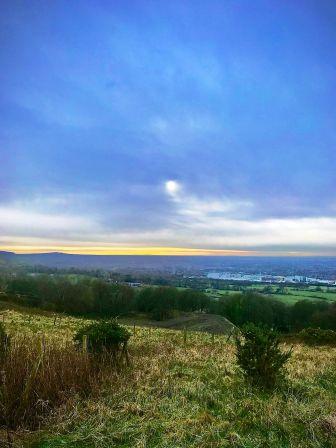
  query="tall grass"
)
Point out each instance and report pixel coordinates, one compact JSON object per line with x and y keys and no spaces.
{"x":36,"y":376}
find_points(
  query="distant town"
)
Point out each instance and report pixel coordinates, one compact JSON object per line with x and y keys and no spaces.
{"x":261,"y":278}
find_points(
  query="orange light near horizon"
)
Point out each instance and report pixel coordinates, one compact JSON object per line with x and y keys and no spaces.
{"x":124,"y":250}
{"x":155,"y":250}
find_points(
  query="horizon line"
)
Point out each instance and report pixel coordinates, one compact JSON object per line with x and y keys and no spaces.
{"x":156,"y":251}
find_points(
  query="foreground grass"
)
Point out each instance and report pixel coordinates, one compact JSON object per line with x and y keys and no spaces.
{"x":190,"y":396}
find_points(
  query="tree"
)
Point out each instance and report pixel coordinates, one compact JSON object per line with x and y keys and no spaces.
{"x":77,"y":298}
{"x":303,"y":312}
{"x":259,"y":356}
{"x":249,"y":307}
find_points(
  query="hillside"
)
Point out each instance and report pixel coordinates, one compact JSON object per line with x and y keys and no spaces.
{"x":186,"y":395}
{"x":203,"y":322}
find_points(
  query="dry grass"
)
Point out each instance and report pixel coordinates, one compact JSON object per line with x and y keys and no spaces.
{"x":37,"y":376}
{"x":177,"y":396}
{"x":41,"y":371}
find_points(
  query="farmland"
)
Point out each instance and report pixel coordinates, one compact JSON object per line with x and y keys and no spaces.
{"x":287,"y":294}
{"x":177,"y":394}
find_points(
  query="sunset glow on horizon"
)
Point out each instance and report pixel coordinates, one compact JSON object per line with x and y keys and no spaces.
{"x":124,"y":250}
{"x":154,"y":251}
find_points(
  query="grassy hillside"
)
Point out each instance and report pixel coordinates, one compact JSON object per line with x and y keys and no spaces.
{"x":211,"y":323}
{"x":175,"y":395}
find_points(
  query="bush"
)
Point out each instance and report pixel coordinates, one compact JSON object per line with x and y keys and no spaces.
{"x":104,"y":337}
{"x":260,"y":357}
{"x":36,"y":378}
{"x":317,"y":336}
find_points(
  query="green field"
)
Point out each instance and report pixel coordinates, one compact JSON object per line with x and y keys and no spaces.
{"x":290,"y":296}
{"x":185,"y":396}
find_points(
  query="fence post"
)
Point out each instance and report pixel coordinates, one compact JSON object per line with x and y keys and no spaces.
{"x":185,"y":336}
{"x":229,"y":337}
{"x":85,"y":347}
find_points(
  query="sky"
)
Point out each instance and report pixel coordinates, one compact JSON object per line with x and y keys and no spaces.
{"x":180,"y":127}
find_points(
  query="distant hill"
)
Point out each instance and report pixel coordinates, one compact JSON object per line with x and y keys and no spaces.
{"x":4,"y":254}
{"x":7,"y":257}
{"x":63,"y":260}
{"x":323,"y":267}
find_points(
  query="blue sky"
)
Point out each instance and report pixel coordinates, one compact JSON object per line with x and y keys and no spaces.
{"x":180,"y":124}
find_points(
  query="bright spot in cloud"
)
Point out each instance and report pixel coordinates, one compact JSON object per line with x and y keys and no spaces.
{"x":172,"y":187}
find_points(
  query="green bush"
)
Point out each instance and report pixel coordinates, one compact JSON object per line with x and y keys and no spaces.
{"x":103,"y":336}
{"x":317,"y":336}
{"x":259,"y":356}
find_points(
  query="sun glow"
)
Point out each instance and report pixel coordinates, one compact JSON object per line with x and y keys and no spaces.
{"x":124,"y":250}
{"x":172,"y":187}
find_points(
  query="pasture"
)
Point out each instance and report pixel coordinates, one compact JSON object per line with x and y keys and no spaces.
{"x":289,"y":294}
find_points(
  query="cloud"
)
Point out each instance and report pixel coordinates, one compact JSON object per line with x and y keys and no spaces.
{"x":190,"y":205}
{"x":190,"y":221}
{"x":226,"y":223}
{"x":18,"y":221}
{"x":185,"y":127}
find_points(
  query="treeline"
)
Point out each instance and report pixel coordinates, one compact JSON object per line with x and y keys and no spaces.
{"x":95,"y":296}
{"x":98,"y":297}
{"x":255,"y":308}
{"x":163,"y":301}
{"x":62,"y":294}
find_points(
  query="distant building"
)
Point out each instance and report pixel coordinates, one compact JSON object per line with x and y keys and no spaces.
{"x":134,"y":284}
